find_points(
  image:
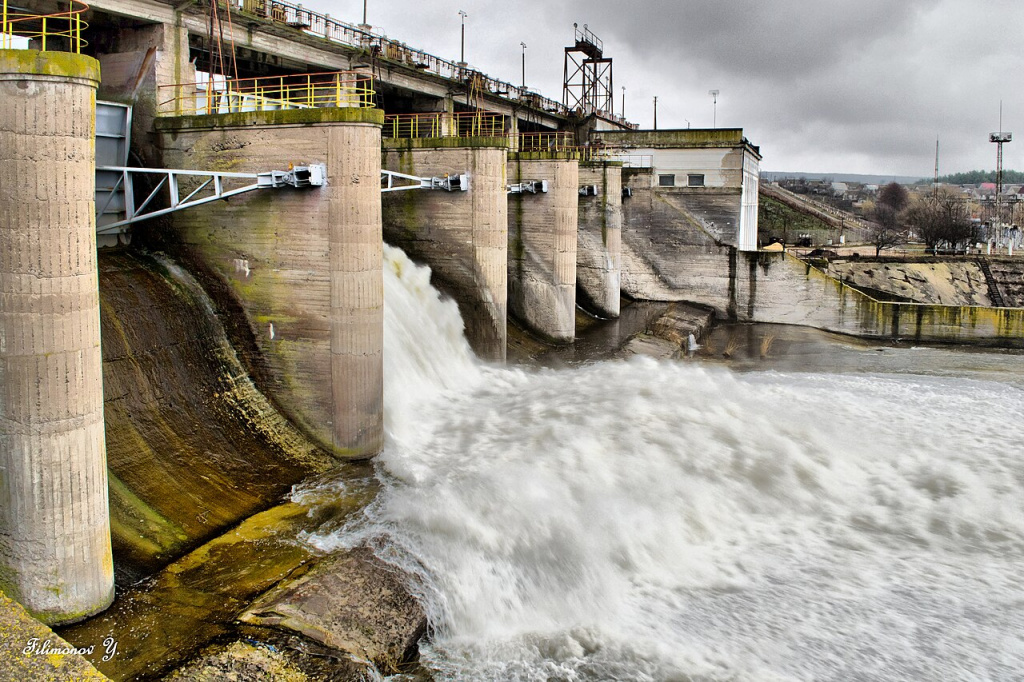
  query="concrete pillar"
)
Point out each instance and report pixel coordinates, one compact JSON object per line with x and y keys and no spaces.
{"x":304,"y":265}
{"x":599,"y":239}
{"x":462,"y":236}
{"x":542,"y":244}
{"x":54,"y":527}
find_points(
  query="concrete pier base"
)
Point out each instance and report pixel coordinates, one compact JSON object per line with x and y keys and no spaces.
{"x":599,"y":239}
{"x":304,"y":265}
{"x":542,"y":244}
{"x":54,"y":527}
{"x":462,"y":236}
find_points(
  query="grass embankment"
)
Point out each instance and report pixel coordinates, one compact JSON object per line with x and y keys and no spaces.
{"x":776,"y":219}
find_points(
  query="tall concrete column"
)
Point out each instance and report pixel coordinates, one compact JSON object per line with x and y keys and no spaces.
{"x":357,"y":288}
{"x":305,"y":266}
{"x":542,"y":244}
{"x":54,"y":526}
{"x":599,"y":239}
{"x":462,"y":236}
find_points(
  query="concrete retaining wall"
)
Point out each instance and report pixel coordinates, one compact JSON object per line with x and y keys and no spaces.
{"x":542,"y":244}
{"x":54,"y":530}
{"x":959,"y":282}
{"x":305,"y":265}
{"x":462,"y":236}
{"x":782,"y":289}
{"x":599,"y":239}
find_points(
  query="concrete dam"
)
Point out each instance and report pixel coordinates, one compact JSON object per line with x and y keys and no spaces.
{"x":229,"y":344}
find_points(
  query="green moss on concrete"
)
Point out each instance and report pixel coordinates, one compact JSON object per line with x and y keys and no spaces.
{"x":674,"y":139}
{"x":36,"y":63}
{"x":601,"y":164}
{"x":140,"y":529}
{"x":315,"y":115}
{"x":23,"y":661}
{"x":915,"y":321}
{"x":444,"y":143}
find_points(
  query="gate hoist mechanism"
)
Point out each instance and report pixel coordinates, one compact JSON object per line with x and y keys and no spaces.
{"x":588,"y":191}
{"x":531,"y":187}
{"x":449,"y":182}
{"x":120,"y":195}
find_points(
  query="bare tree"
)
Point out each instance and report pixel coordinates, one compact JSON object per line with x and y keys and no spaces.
{"x":887,"y":231}
{"x":942,"y":221}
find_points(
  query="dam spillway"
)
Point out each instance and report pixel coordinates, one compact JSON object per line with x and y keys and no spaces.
{"x":298,"y":278}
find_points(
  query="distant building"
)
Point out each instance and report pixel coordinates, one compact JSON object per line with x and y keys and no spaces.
{"x":713,"y":173}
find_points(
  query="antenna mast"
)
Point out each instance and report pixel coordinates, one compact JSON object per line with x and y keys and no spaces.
{"x":999,"y":139}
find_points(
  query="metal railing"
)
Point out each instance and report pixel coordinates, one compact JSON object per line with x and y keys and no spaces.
{"x":57,"y":32}
{"x":218,"y":95}
{"x":328,"y":28}
{"x":631,"y":160}
{"x":442,"y":124}
{"x":548,"y":142}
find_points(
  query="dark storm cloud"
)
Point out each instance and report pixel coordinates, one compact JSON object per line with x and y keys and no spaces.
{"x":787,"y":40}
{"x":831,"y":85}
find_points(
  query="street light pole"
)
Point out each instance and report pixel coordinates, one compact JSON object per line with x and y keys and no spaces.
{"x":524,"y":64}
{"x":462,"y":59}
{"x":655,"y":112}
{"x":364,"y":13}
{"x":623,"y":114}
{"x":714,"y":94}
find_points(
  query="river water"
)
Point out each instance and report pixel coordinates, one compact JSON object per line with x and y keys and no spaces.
{"x":650,"y":520}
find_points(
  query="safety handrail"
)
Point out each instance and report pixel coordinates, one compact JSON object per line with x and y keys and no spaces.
{"x":51,"y":30}
{"x":547,"y":142}
{"x":480,"y":123}
{"x":324,"y":26}
{"x":218,"y":95}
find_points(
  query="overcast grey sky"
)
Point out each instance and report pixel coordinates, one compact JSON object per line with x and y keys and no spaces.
{"x":822,"y":86}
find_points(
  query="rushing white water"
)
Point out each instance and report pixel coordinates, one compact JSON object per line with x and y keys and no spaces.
{"x":643,"y":520}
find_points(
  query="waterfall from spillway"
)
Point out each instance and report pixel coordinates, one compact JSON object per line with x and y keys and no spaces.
{"x":642,"y":520}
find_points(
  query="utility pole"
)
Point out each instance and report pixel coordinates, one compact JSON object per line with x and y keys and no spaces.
{"x":714,"y":95}
{"x":462,"y":51}
{"x":655,"y":112}
{"x":524,"y":64}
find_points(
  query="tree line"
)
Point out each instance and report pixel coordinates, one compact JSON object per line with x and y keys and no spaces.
{"x":976,"y":177}
{"x":941,"y":221}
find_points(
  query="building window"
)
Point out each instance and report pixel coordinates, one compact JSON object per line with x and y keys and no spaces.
{"x":695,"y":180}
{"x":667,"y":180}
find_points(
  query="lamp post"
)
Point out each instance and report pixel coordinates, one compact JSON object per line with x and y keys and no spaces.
{"x":655,"y":112}
{"x":714,"y":95}
{"x":462,"y":52}
{"x":524,"y":64}
{"x":364,"y":13}
{"x":623,"y":112}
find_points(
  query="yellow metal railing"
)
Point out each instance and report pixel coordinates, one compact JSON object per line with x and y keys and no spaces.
{"x":441,"y":124}
{"x":56,"y":32}
{"x":218,"y":95}
{"x":547,"y":142}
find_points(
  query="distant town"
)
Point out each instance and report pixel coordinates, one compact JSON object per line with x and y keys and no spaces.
{"x":955,"y":215}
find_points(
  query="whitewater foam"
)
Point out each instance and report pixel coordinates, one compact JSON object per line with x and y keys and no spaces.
{"x":642,"y":520}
